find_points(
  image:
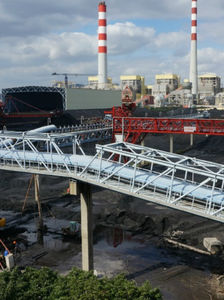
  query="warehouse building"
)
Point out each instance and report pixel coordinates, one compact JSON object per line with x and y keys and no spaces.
{"x":92,"y":99}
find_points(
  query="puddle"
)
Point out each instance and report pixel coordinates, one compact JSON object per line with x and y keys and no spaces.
{"x":115,"y":251}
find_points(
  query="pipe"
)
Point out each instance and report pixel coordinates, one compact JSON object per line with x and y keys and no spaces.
{"x":43,"y":129}
{"x":126,"y":172}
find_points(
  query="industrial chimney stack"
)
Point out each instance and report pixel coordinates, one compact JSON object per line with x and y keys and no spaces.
{"x":102,"y":46}
{"x":193,"y":62}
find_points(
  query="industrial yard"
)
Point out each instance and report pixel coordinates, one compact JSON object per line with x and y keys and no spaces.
{"x":130,"y":237}
{"x":114,"y":171}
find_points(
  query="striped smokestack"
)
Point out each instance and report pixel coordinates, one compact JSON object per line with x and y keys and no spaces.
{"x":102,"y":45}
{"x":193,"y":62}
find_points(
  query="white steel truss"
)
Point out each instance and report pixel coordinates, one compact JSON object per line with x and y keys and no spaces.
{"x":176,"y":181}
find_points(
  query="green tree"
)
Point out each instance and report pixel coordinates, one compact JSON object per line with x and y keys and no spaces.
{"x":46,"y":284}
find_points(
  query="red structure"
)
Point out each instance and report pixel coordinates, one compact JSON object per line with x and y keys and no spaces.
{"x":163,"y":125}
{"x":134,"y":129}
{"x":6,"y":118}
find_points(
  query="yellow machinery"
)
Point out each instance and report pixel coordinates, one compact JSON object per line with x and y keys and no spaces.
{"x":2,"y":222}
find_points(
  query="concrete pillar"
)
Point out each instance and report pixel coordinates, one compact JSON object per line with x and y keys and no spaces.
{"x":86,"y":226}
{"x":73,"y":187}
{"x":9,"y":260}
{"x":191,"y":139}
{"x":171,"y":143}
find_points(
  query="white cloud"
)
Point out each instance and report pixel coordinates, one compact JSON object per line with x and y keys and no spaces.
{"x":210,"y":60}
{"x":41,"y":37}
{"x":126,"y":37}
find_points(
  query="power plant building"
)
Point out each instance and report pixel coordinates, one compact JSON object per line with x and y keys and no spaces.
{"x":165,"y":84}
{"x":208,"y":85}
{"x":181,"y":97}
{"x":93,"y":82}
{"x":219,"y":100}
{"x":137,"y":83}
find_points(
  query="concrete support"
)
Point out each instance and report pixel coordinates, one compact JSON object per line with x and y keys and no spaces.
{"x":9,"y":260}
{"x":73,"y":187}
{"x":191,"y":139}
{"x":171,"y":143}
{"x":86,"y":226}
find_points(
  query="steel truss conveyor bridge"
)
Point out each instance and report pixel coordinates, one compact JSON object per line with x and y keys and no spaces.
{"x":176,"y":181}
{"x":134,"y":129}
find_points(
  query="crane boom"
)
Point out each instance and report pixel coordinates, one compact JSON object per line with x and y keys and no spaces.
{"x":70,"y":74}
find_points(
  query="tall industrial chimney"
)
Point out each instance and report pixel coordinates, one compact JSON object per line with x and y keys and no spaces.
{"x":193,"y":62}
{"x":102,"y":45}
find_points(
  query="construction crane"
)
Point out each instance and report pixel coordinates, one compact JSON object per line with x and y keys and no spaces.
{"x":70,"y":74}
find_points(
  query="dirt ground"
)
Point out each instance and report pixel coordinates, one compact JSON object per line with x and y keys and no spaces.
{"x":128,"y":233}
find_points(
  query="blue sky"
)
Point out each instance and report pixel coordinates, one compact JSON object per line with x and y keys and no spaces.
{"x":145,"y":37}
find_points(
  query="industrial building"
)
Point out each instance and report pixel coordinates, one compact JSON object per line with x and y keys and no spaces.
{"x":137,"y":83}
{"x":92,"y":99}
{"x":33,"y":98}
{"x":181,"y":97}
{"x":164,"y":84}
{"x":219,"y":100}
{"x":93,"y":83}
{"x":208,"y":85}
{"x":61,"y":84}
{"x":37,"y":98}
{"x":148,"y":89}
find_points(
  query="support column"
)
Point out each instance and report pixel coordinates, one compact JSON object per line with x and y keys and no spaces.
{"x":171,"y":143}
{"x":73,"y":187}
{"x":37,"y":199}
{"x":191,"y":139}
{"x":86,"y":226}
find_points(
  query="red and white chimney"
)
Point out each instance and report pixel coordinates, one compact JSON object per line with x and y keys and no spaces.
{"x":102,"y":45}
{"x":193,"y":58}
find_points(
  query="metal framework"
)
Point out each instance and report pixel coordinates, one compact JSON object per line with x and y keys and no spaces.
{"x":180,"y":182}
{"x":132,"y":128}
{"x":63,"y":136}
{"x":35,"y":89}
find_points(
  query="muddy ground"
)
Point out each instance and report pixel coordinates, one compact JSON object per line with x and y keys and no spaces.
{"x":128,"y":233}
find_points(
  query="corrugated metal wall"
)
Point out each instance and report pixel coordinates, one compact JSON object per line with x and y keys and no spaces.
{"x":92,"y":99}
